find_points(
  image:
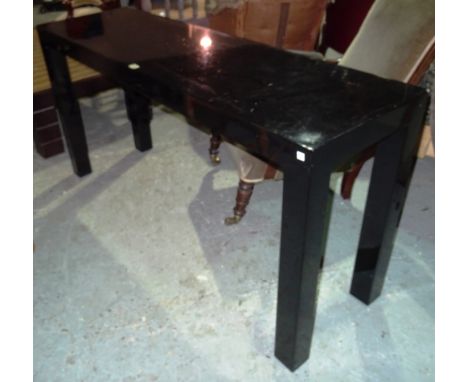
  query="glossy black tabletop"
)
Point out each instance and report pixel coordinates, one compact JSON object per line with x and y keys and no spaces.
{"x":304,"y":101}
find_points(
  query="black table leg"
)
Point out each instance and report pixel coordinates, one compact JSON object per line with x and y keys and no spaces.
{"x":68,"y":109}
{"x":303,"y":236}
{"x":140,"y":113}
{"x":391,"y":175}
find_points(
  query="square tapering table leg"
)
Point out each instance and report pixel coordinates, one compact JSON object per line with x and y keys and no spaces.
{"x":394,"y":162}
{"x":140,"y":113}
{"x":68,"y":109}
{"x":303,"y":237}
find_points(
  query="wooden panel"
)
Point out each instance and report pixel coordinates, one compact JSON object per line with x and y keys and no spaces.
{"x":423,"y":65}
{"x":48,"y":133}
{"x":43,"y":99}
{"x":45,"y":117}
{"x":227,"y":21}
{"x":46,"y":150}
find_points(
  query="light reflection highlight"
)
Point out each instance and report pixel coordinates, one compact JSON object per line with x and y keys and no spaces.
{"x":206,"y":42}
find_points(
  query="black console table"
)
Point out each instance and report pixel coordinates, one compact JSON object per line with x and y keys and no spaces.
{"x":305,"y":117}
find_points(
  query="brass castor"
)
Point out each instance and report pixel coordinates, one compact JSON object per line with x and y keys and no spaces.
{"x":231,"y":220}
{"x":215,"y":142}
{"x":215,"y":159}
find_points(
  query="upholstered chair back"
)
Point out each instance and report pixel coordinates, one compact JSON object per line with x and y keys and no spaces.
{"x":392,"y":39}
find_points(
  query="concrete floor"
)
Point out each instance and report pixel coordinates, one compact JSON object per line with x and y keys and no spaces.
{"x":137,"y":279}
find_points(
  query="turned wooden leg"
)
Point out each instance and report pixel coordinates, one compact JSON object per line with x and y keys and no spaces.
{"x":215,"y":141}
{"x":244,"y":192}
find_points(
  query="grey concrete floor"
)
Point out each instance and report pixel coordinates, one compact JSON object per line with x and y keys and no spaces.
{"x":137,"y":279}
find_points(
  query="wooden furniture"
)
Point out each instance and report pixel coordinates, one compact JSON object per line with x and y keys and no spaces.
{"x":288,"y":24}
{"x":87,"y":82}
{"x":176,"y":9}
{"x":404,"y":53}
{"x":47,"y":135}
{"x":425,"y":146}
{"x":292,"y":24}
{"x":305,"y":117}
{"x":394,"y":42}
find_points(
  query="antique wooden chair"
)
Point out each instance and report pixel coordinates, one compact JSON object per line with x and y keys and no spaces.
{"x":395,"y":41}
{"x":290,"y":24}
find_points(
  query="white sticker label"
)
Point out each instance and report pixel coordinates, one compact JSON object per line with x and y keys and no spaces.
{"x":300,"y":156}
{"x":134,"y":66}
